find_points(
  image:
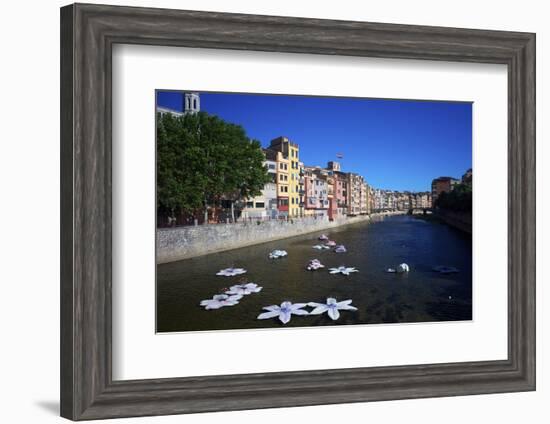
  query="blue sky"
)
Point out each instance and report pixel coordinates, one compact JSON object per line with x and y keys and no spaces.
{"x":394,"y":144}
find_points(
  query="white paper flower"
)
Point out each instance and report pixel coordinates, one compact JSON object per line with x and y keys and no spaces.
{"x":343,"y":270}
{"x":276,"y":254}
{"x":321,"y":247}
{"x":314,"y":264}
{"x":284,"y":311}
{"x":231,"y":272}
{"x":332,"y":307}
{"x":220,"y":300}
{"x":402,"y":268}
{"x":323,"y":237}
{"x":244,"y":289}
{"x":340,"y":249}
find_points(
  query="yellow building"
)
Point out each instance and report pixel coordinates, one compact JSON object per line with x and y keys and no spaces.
{"x":283,"y":182}
{"x":286,"y":154}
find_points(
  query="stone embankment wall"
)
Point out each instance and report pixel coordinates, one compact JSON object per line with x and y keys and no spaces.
{"x":458,"y":220}
{"x":174,"y":244}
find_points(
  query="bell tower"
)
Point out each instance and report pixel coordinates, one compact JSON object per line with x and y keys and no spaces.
{"x":191,"y":103}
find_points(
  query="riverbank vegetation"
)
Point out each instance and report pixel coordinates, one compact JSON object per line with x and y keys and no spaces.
{"x":202,"y":160}
{"x":457,"y":200}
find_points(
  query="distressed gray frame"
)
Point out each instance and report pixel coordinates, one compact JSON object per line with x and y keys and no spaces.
{"x":88,"y":33}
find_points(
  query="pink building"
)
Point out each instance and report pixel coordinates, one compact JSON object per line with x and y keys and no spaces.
{"x":316,"y":193}
{"x":339,"y":189}
{"x":341,"y":192}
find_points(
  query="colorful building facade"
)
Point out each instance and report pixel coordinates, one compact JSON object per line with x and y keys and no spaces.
{"x":264,"y":205}
{"x":355,"y":186}
{"x":286,"y":154}
{"x":316,"y":192}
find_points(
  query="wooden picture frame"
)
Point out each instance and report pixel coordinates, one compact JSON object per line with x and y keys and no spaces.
{"x":88,"y":33}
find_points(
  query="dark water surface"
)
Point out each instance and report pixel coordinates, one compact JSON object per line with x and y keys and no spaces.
{"x":419,"y":296}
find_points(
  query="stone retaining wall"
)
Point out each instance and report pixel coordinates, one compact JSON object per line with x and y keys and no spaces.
{"x":460,"y":221}
{"x":174,"y":244}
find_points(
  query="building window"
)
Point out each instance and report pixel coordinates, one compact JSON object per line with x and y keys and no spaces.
{"x":260,"y":204}
{"x":249,"y":204}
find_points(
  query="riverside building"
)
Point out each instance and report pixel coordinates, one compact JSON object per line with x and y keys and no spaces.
{"x":286,"y":154}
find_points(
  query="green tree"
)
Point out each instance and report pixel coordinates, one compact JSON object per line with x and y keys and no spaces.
{"x":202,"y":159}
{"x":459,"y":199}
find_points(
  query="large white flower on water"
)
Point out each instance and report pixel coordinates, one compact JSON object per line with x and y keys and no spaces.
{"x":244,"y":289}
{"x":314,"y":264}
{"x":220,"y":300}
{"x":343,"y":270}
{"x":276,"y":254}
{"x":402,"y":268}
{"x":332,"y":307}
{"x":284,"y":311}
{"x":321,"y":247}
{"x":231,"y":272}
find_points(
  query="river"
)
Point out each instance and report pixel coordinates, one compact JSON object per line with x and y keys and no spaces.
{"x":421,"y":295}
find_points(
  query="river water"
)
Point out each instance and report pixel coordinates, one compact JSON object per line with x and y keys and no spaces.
{"x":421,"y":295}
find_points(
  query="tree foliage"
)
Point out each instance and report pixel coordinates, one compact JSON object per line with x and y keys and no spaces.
{"x":459,"y":199}
{"x":202,"y":159}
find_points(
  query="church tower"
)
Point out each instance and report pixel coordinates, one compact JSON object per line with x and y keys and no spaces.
{"x":191,"y":103}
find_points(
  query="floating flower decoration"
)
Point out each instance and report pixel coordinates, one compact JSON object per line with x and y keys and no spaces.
{"x":284,"y":311}
{"x":323,"y":237}
{"x":321,"y":247}
{"x":276,"y":254}
{"x":401,"y":268}
{"x":330,"y":243}
{"x":244,"y":289}
{"x":231,"y":272}
{"x":314,"y":264}
{"x":340,"y":249}
{"x":220,"y":300}
{"x":343,"y":270}
{"x":332,"y":307}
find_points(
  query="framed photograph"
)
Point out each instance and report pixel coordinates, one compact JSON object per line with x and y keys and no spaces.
{"x":269,"y":211}
{"x":312,"y":240}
